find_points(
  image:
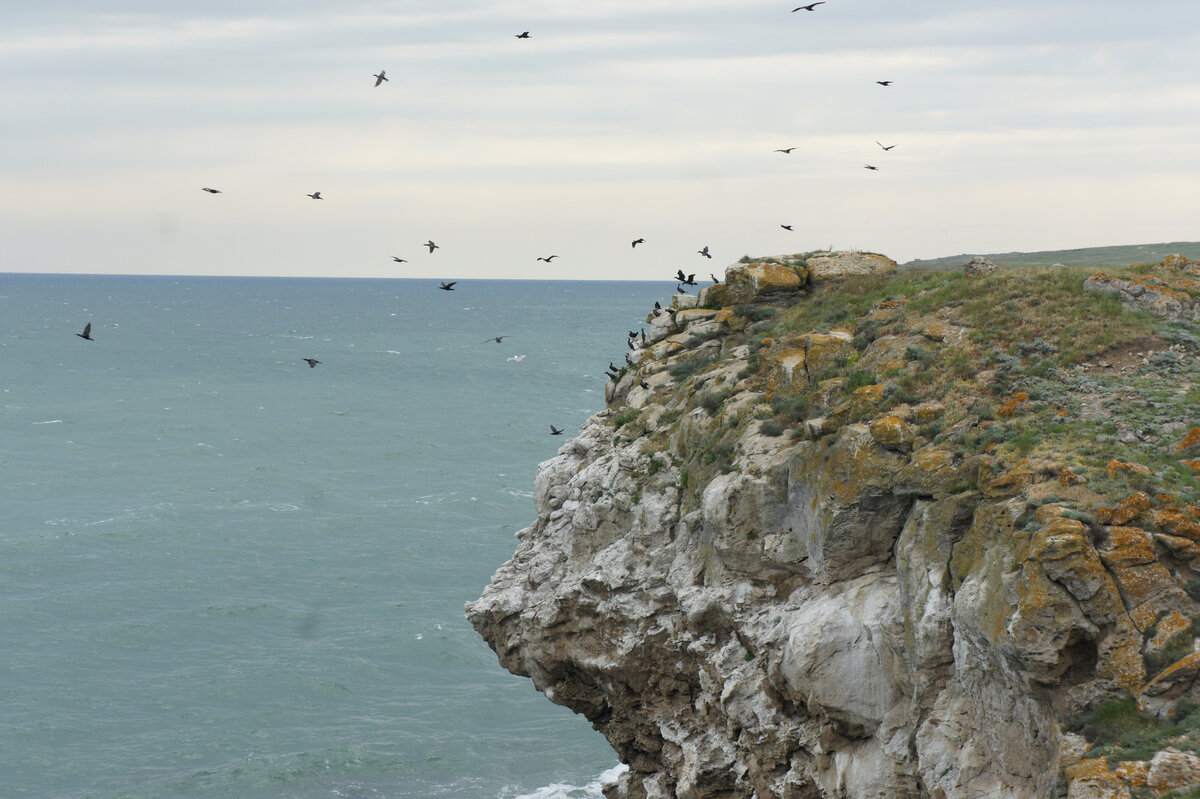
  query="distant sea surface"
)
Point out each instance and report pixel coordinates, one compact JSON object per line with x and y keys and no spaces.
{"x":226,"y":574}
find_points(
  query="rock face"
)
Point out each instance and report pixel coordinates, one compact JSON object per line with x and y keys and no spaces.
{"x":857,"y":613}
{"x":978,"y":265}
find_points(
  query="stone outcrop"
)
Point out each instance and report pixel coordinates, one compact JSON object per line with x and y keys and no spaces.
{"x":978,"y":265}
{"x":851,"y":610}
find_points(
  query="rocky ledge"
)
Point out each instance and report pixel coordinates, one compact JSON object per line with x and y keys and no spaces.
{"x":845,"y":532}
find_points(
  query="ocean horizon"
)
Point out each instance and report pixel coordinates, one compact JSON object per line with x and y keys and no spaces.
{"x":223,"y":572}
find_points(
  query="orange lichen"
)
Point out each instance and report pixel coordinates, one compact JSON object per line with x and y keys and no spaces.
{"x":1190,"y":440}
{"x":1013,"y":403}
{"x":1175,"y":522}
{"x":1113,"y":466}
{"x":1126,"y":510}
{"x":1069,"y":478}
{"x":1135,"y":773}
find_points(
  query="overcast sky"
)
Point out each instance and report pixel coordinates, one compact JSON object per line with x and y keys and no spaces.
{"x":1017,"y":125}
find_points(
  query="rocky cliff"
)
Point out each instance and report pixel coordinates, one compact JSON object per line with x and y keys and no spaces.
{"x":848,"y":532}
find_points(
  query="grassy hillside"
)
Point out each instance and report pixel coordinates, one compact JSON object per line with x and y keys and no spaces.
{"x":1085,"y":257}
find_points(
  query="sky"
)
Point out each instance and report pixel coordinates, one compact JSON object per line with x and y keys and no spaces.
{"x":1017,"y":126}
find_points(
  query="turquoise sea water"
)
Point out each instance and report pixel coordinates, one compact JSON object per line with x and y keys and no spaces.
{"x":223,"y":573}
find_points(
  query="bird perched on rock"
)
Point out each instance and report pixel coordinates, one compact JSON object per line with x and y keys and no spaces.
{"x":316,"y":195}
{"x":643,"y":384}
{"x":381,"y":77}
{"x":312,"y":362}
{"x":448,"y":286}
{"x":680,"y":289}
{"x":715,"y":279}
{"x":636,"y":242}
{"x":211,"y":191}
{"x":87,"y":332}
{"x":613,"y":376}
{"x":431,"y":246}
{"x":704,"y":252}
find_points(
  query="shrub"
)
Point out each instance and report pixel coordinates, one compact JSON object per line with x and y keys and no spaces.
{"x":770,"y":427}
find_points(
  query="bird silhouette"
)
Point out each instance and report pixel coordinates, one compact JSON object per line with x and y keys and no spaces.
{"x":687,"y":280}
{"x":884,"y":82}
{"x":680,"y":289}
{"x":657,"y":307}
{"x":316,"y":195}
{"x":786,"y":151}
{"x":786,"y":227}
{"x":885,"y":149}
{"x":872,"y":168}
{"x":636,"y":242}
{"x":524,"y":35}
{"x":87,"y":332}
{"x":399,"y":260}
{"x":496,"y":339}
{"x":548,"y":258}
{"x":715,"y":280}
{"x":431,"y":246}
{"x":704,"y":252}
{"x":211,"y":191}
{"x":448,"y":286}
{"x":381,"y":77}
{"x":554,"y":431}
{"x":312,"y":362}
{"x":613,"y":368}
{"x":809,"y":7}
{"x":643,"y":384}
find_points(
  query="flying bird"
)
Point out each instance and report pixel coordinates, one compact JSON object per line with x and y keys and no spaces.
{"x":524,"y":35}
{"x":554,"y":431}
{"x":687,"y":280}
{"x":872,"y":168}
{"x":636,"y":242}
{"x":496,"y":339}
{"x":381,"y":77}
{"x":448,"y":286}
{"x":211,"y":191}
{"x":786,"y":227}
{"x":316,"y":195}
{"x":704,"y":252}
{"x":547,"y":259}
{"x":87,"y":332}
{"x":399,"y":260}
{"x":885,"y":149}
{"x":312,"y":362}
{"x":786,"y":151}
{"x":517,"y":358}
{"x":431,"y":246}
{"x":809,"y":7}
{"x":884,"y":82}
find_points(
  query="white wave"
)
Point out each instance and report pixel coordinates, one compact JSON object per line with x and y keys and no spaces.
{"x":51,"y":421}
{"x":593,"y":790}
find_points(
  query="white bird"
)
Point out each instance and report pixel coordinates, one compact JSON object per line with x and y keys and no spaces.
{"x":517,"y":358}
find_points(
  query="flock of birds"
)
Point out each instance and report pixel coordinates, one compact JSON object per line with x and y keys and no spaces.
{"x":634,"y":339}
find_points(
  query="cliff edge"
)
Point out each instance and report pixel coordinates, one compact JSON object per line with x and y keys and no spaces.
{"x":844,"y":531}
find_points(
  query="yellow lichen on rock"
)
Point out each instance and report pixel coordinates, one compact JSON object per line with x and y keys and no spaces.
{"x":1013,"y":403}
{"x":893,"y":433}
{"x":1126,"y":510}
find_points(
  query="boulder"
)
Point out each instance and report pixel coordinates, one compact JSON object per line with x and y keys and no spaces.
{"x":978,"y":265}
{"x":837,"y":265}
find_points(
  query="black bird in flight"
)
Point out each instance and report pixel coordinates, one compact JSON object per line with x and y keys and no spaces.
{"x":211,"y":191}
{"x":704,"y":252}
{"x":448,"y":286}
{"x":87,"y":332}
{"x":884,"y":82}
{"x":316,"y":195}
{"x":554,"y":431}
{"x":809,"y":7}
{"x":312,"y":362}
{"x":524,"y":35}
{"x":431,"y":246}
{"x":786,"y":151}
{"x":885,"y":149}
{"x":872,"y":168}
{"x":381,"y":77}
{"x":399,"y":260}
{"x":496,"y":339}
{"x":636,"y":242}
{"x":786,"y":227}
{"x":687,"y":280}
{"x":548,"y":259}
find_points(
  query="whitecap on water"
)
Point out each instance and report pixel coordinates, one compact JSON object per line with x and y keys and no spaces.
{"x":559,"y":790}
{"x":50,"y":421}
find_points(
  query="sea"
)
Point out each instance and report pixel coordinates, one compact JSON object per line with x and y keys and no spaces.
{"x":225,"y":573}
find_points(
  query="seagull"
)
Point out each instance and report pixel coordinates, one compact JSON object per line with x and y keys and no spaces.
{"x":496,"y":339}
{"x":872,"y":168}
{"x":211,"y":191}
{"x":884,"y":82}
{"x":548,"y":259}
{"x":399,"y":260}
{"x":787,"y":151}
{"x":448,"y":286}
{"x":786,"y":227}
{"x":885,"y":149}
{"x":312,"y":362}
{"x":87,"y":332}
{"x":704,"y":252}
{"x":431,"y":246}
{"x":554,"y":431}
{"x":381,"y":77}
{"x":316,"y":195}
{"x":636,"y":242}
{"x":517,"y":358}
{"x":524,"y":35}
{"x":809,"y":7}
